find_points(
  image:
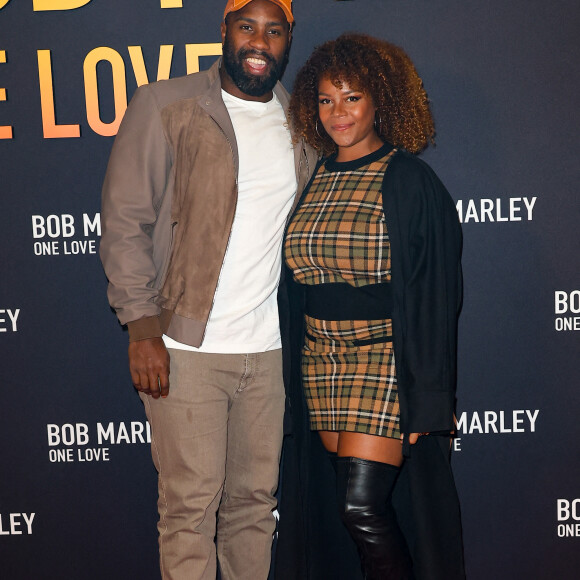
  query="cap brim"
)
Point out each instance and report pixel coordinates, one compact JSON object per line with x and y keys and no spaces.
{"x":234,"y":7}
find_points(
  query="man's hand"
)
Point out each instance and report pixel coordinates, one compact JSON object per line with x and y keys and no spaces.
{"x":149,"y":366}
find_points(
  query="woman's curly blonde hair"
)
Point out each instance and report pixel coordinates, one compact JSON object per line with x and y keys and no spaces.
{"x":377,"y":68}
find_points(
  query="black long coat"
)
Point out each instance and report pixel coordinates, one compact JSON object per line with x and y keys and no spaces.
{"x":425,"y":238}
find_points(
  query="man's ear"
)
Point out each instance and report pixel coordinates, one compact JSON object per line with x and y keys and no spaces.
{"x":223,"y":29}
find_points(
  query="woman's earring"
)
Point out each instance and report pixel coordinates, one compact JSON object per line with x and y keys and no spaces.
{"x":317,"y":131}
{"x":379,"y":124}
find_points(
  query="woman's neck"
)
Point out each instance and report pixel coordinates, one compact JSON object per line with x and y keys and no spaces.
{"x":359,"y":150}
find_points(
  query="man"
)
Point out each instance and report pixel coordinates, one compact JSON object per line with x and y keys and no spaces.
{"x":201,"y":180}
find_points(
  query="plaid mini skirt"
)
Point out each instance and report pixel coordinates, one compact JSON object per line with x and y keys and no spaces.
{"x":348,"y":370}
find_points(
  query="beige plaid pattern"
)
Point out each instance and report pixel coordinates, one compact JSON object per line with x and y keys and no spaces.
{"x":338,"y":233}
{"x":350,"y":387}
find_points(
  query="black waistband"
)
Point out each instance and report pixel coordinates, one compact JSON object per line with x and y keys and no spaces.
{"x":359,"y":341}
{"x":341,"y":301}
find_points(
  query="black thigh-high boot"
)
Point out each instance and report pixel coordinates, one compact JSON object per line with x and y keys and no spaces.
{"x":364,"y":491}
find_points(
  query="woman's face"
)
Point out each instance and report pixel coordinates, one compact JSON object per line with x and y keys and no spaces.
{"x":348,"y":116}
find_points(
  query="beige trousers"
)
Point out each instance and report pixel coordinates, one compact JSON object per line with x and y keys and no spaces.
{"x":216,"y":443}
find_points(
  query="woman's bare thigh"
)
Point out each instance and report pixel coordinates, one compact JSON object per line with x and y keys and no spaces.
{"x":372,"y":447}
{"x":329,"y":440}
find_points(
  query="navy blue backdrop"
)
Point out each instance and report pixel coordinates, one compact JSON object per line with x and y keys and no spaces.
{"x":77,"y":487}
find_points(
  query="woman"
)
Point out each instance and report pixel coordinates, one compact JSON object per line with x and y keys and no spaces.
{"x":374,"y":245}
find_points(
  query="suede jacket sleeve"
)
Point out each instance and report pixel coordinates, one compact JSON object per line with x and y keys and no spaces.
{"x":425,"y":237}
{"x":134,"y":190}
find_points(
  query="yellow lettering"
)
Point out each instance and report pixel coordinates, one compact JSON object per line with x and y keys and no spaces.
{"x":3,"y":3}
{"x":41,"y":5}
{"x":171,"y":3}
{"x":92,"y":92}
{"x":138,"y":62}
{"x":194,"y":51}
{"x":50,"y":129}
{"x":5,"y":130}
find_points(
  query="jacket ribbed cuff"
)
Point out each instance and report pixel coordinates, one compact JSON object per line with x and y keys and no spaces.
{"x":148,"y":327}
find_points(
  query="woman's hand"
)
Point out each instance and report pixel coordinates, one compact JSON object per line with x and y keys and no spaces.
{"x":414,"y":437}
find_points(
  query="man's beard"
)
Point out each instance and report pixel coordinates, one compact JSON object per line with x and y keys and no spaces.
{"x":249,"y":84}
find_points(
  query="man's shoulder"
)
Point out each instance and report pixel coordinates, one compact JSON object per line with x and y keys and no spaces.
{"x":282,"y":94}
{"x":190,"y":86}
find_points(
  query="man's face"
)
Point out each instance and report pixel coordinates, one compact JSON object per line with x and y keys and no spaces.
{"x":256,"y":40}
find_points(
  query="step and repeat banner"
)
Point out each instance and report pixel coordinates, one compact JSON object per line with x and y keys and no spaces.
{"x":77,"y":486}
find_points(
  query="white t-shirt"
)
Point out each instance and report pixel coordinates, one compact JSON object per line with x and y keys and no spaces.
{"x":244,"y":316}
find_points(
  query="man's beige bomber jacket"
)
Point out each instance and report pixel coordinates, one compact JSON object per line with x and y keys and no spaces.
{"x":169,"y":199}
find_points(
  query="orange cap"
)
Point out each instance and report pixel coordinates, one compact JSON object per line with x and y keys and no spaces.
{"x":286,"y":5}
